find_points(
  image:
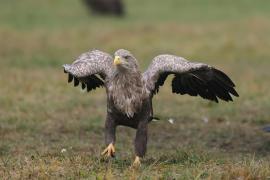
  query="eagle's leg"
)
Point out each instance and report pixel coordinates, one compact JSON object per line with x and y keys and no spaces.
{"x":140,"y":142}
{"x":110,"y":128}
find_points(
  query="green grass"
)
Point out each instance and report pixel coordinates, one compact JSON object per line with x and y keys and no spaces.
{"x":40,"y":114}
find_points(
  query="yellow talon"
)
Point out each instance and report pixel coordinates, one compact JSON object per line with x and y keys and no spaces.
{"x":109,"y":151}
{"x":137,"y":162}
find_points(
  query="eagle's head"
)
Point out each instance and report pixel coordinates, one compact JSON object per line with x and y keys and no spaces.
{"x":125,"y":61}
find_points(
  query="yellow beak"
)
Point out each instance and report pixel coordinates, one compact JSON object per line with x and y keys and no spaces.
{"x":117,"y":60}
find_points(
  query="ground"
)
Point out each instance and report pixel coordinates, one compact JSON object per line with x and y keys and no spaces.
{"x":51,"y":130}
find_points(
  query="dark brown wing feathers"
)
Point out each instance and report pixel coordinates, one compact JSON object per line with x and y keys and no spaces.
{"x":91,"y":82}
{"x":162,"y":78}
{"x":208,"y":83}
{"x":70,"y":77}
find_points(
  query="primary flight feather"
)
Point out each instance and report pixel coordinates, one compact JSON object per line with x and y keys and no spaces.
{"x":130,"y":92}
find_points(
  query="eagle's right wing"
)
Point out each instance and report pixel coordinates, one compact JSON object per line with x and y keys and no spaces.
{"x":91,"y":69}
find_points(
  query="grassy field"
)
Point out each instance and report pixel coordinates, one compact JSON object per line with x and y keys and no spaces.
{"x":50,"y":130}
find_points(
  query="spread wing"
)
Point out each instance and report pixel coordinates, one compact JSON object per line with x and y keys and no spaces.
{"x":189,"y":78}
{"x":91,"y":69}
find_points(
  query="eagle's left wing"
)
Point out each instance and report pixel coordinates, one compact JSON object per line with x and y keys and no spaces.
{"x":189,"y":78}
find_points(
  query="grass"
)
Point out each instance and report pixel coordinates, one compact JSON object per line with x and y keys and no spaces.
{"x":40,"y":114}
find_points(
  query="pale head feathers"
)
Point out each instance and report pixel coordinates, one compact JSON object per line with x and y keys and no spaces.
{"x":125,"y":61}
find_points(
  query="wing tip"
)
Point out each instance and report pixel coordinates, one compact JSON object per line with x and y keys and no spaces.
{"x":70,"y":78}
{"x":236,"y":94}
{"x":224,"y":76}
{"x":66,"y":68}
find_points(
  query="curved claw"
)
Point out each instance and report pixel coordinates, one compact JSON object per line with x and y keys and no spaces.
{"x":109,"y":151}
{"x":137,"y":162}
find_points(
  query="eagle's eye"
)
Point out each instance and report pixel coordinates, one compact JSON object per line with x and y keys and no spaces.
{"x":126,"y":57}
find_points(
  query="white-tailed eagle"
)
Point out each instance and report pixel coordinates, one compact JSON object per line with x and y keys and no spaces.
{"x":130,"y":92}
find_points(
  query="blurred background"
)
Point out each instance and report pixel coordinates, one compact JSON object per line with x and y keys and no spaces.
{"x":48,"y":128}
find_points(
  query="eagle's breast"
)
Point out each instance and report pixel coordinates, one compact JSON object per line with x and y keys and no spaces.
{"x":127,"y":93}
